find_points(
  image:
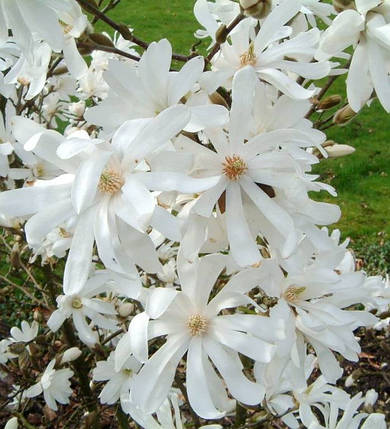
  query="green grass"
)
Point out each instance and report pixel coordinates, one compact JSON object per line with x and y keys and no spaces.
{"x":362,"y":179}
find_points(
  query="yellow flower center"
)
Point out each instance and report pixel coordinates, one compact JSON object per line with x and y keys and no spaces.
{"x":234,"y":167}
{"x":110,"y":182}
{"x":249,"y":57}
{"x":76,"y":303}
{"x":292,"y":293}
{"x":197,"y":324}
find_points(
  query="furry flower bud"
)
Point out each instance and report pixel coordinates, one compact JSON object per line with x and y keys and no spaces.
{"x":339,"y":150}
{"x":341,"y":5}
{"x":256,"y":8}
{"x":329,"y":102}
{"x":126,"y":309}
{"x":344,"y":115}
{"x":70,"y":355}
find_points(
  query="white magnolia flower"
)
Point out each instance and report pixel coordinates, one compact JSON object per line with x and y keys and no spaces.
{"x":26,"y":333}
{"x":56,"y":23}
{"x":351,"y":418}
{"x":88,"y":305}
{"x":268,"y":57}
{"x":54,"y":384}
{"x":30,"y":71}
{"x":367,"y":29}
{"x":193,"y":325}
{"x":119,"y":383}
{"x":317,"y":298}
{"x":146,"y":90}
{"x":252,"y":174}
{"x":100,"y":186}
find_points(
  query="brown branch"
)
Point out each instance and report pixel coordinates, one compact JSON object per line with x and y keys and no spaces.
{"x":124,"y":30}
{"x":96,"y":47}
{"x":324,"y":90}
{"x":226,"y":32}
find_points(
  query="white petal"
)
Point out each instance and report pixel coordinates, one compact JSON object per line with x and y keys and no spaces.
{"x":196,"y":382}
{"x":208,"y":116}
{"x":56,"y":320}
{"x":41,"y":224}
{"x":159,"y":300}
{"x":230,"y":369}
{"x":182,"y":82}
{"x":80,"y":255}
{"x":285,"y":84}
{"x":87,"y":179}
{"x":359,"y":85}
{"x":123,"y":351}
{"x":177,"y":182}
{"x":242,"y":244}
{"x":74,"y":61}
{"x":155,"y":379}
{"x":33,"y":391}
{"x":243,"y":93}
{"x":139,"y":336}
{"x":160,"y":130}
{"x":274,"y":21}
{"x":379,"y":71}
{"x":274,"y":213}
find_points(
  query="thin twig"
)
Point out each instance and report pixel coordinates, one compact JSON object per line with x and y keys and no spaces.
{"x":123,"y":29}
{"x":227,"y":31}
{"x":324,"y":90}
{"x":111,"y":49}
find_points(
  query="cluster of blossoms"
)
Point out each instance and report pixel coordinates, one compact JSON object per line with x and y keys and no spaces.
{"x":181,"y":204}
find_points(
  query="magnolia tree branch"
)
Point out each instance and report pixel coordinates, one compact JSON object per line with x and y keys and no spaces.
{"x":325,"y":89}
{"x":124,"y":31}
{"x":224,"y":32}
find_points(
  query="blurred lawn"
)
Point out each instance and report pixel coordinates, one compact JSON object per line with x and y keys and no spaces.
{"x":362,"y":179}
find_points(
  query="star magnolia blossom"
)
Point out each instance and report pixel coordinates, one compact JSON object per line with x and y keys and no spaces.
{"x":367,"y":28}
{"x":143,"y":91}
{"x":87,"y":305}
{"x":54,"y":384}
{"x":192,"y":324}
{"x":119,"y":383}
{"x":99,"y":179}
{"x":180,"y":200}
{"x":268,"y":57}
{"x":239,"y":170}
{"x":316,"y":302}
{"x":350,"y":418}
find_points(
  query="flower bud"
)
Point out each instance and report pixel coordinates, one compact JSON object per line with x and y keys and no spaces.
{"x":341,"y":5}
{"x":37,"y":315}
{"x":77,"y":109}
{"x":371,"y":398}
{"x":344,"y":115}
{"x":126,"y":309}
{"x":329,"y":102}
{"x":101,"y":39}
{"x":339,"y":150}
{"x":256,"y":8}
{"x":70,"y":355}
{"x":12,"y":423}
